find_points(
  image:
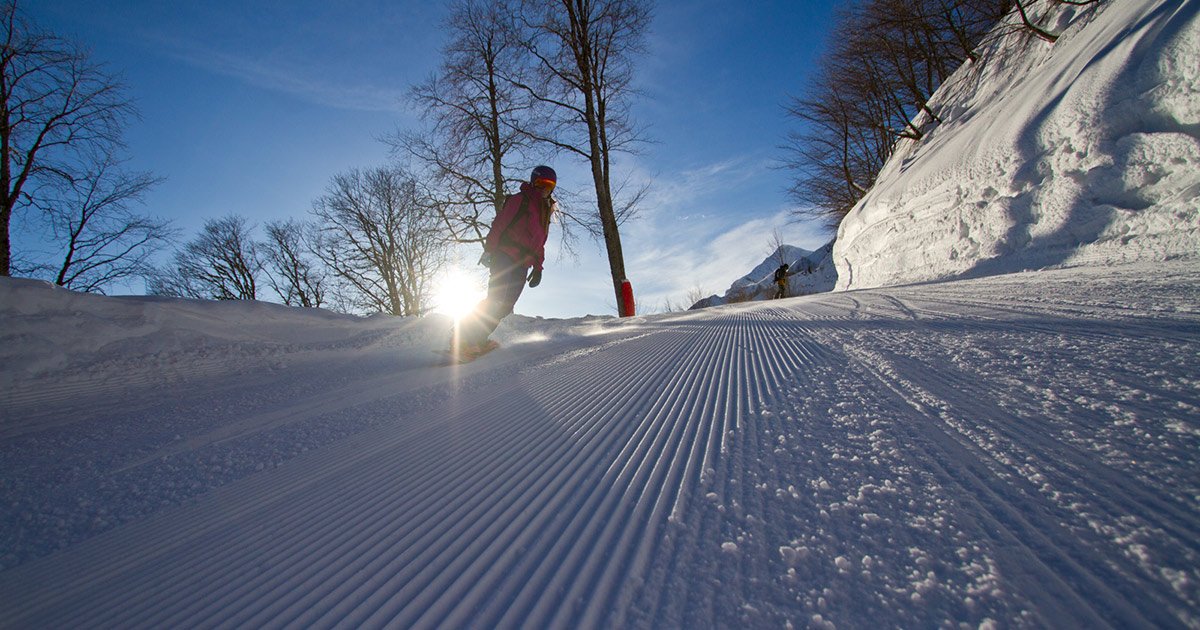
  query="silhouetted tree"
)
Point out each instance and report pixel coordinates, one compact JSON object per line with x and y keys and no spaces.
{"x":97,"y":239}
{"x":872,"y":88}
{"x":299,"y":280}
{"x":58,"y":109}
{"x":584,"y":52}
{"x":478,"y":118}
{"x":221,"y":263}
{"x":381,"y":238}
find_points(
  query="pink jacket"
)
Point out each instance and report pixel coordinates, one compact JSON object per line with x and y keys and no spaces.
{"x":521,"y":227}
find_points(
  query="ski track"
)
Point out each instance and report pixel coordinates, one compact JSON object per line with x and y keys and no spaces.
{"x":854,"y":458}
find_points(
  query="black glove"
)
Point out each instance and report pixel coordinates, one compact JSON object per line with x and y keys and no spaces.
{"x":485,"y":259}
{"x":535,"y":278}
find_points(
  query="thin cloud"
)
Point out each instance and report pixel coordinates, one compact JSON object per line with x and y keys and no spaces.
{"x":673,"y":258}
{"x":282,"y":77}
{"x":697,"y":228}
{"x":687,"y":190}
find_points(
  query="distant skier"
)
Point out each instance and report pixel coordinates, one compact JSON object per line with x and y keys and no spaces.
{"x":516,"y":243}
{"x":781,"y":282}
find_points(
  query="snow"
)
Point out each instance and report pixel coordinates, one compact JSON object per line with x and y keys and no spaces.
{"x":1082,"y":152}
{"x":1017,"y":450}
{"x":1010,"y":442}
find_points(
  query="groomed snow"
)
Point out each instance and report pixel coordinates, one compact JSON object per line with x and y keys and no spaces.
{"x":1011,"y":451}
{"x":1014,"y":450}
{"x":1081,"y":152}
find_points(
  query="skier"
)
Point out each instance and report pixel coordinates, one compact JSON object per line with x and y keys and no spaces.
{"x":781,"y":281}
{"x":515,"y":244}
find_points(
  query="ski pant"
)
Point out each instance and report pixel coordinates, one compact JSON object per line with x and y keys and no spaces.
{"x":504,"y":287}
{"x":782,"y":289}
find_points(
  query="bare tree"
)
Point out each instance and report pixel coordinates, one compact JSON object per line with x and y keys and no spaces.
{"x":171,"y":281}
{"x":1029,"y":17}
{"x":99,"y":240}
{"x":56,"y":109}
{"x":381,"y":238}
{"x":476,"y":117}
{"x":837,"y":154}
{"x":1033,"y":27}
{"x":1031,"y":23}
{"x":222,"y":263}
{"x":886,"y":59}
{"x":585,"y":52}
{"x":775,"y":245}
{"x":293,"y":275}
{"x":694,"y":295}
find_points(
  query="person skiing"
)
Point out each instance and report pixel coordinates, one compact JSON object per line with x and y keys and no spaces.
{"x":515,"y":243}
{"x":781,"y":281}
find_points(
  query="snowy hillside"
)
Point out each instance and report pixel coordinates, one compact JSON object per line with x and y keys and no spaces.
{"x":1014,"y":451}
{"x":765,"y":270}
{"x":1086,"y":151}
{"x":808,"y":273}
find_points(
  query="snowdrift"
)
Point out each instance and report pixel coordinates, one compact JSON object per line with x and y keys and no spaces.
{"x":55,"y":340}
{"x":56,"y":343}
{"x":1082,"y":152}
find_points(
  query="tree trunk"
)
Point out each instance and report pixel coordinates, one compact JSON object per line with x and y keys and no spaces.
{"x":5,"y":249}
{"x":612,"y":237}
{"x":1037,"y":30}
{"x":597,"y":147}
{"x":7,"y":201}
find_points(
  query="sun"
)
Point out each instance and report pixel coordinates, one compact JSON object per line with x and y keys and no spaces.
{"x":457,"y":294}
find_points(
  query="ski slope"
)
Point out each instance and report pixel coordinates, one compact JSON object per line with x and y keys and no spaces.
{"x":1014,"y":451}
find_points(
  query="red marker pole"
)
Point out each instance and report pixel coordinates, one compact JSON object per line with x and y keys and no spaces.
{"x":627,"y":309}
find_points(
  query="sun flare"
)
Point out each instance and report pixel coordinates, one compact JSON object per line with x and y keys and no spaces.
{"x":457,"y":294}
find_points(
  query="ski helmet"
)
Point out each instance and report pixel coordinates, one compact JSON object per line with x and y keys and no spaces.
{"x":544,"y":174}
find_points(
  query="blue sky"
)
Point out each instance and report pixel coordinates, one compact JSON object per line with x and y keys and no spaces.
{"x":251,"y":106}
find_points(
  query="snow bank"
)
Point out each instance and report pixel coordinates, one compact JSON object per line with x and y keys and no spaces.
{"x":1082,"y":152}
{"x":55,"y":343}
{"x":54,"y":340}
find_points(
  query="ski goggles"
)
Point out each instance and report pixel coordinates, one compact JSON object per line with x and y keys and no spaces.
{"x":540,"y":182}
